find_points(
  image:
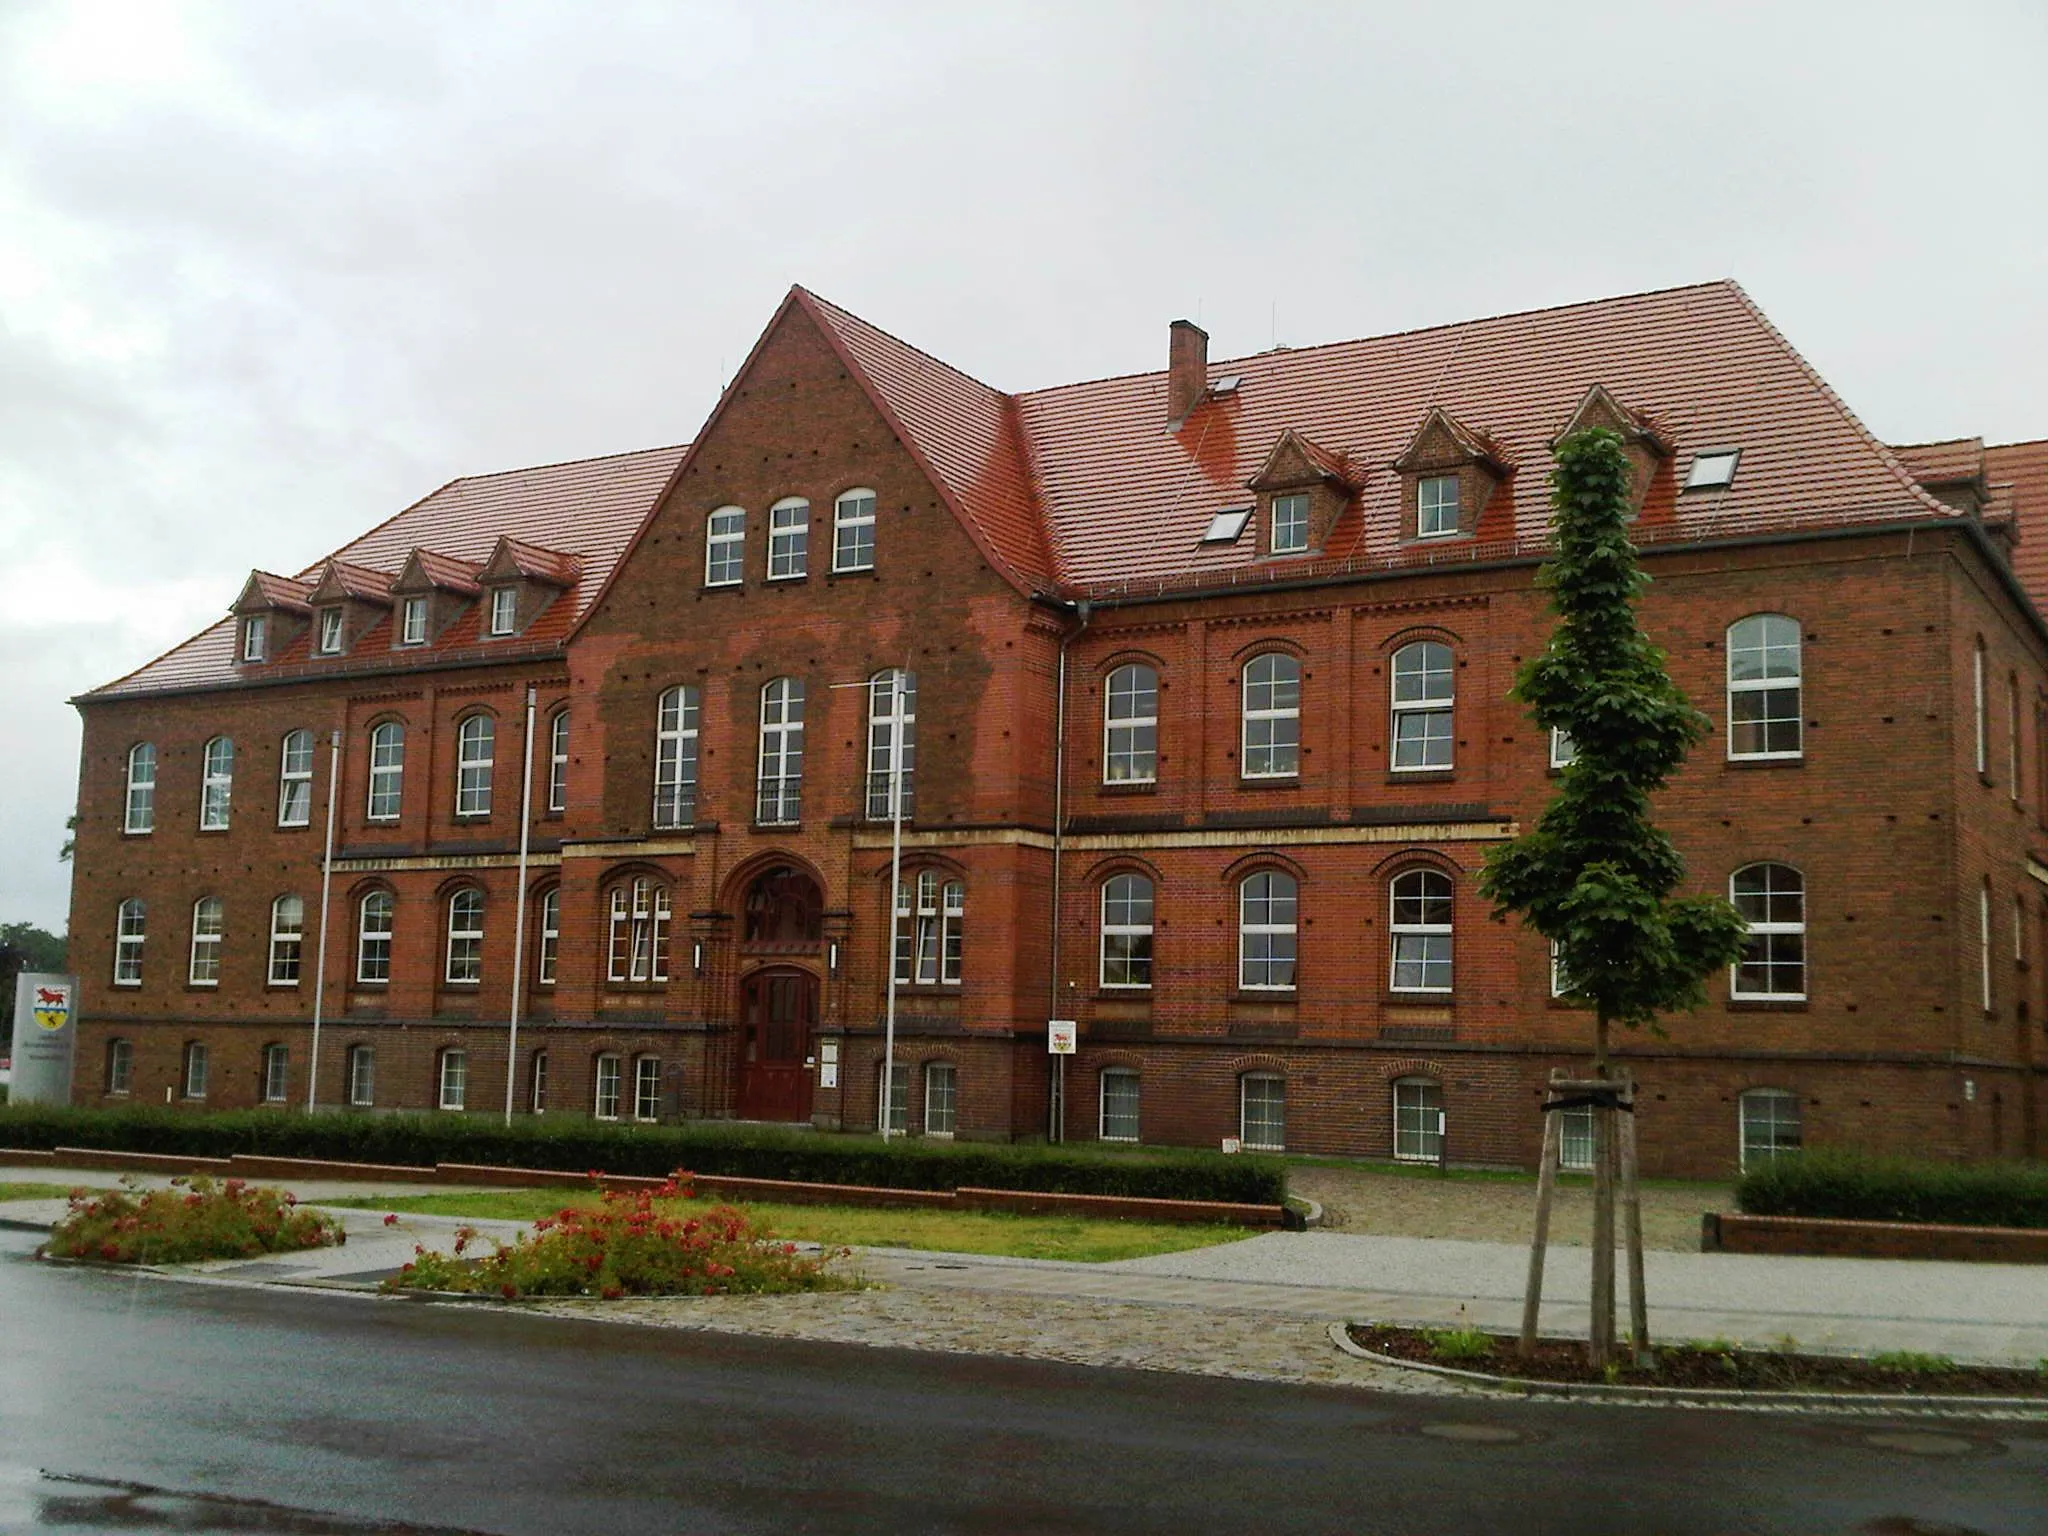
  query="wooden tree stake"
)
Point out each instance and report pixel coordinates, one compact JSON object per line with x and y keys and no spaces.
{"x":1546,"y":1186}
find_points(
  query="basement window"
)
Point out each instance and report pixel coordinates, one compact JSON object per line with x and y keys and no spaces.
{"x":1713,"y":471}
{"x":1228,"y":526}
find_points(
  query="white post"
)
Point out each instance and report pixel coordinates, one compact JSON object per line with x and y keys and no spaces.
{"x":895,"y":890}
{"x":326,"y":886}
{"x":519,"y":913}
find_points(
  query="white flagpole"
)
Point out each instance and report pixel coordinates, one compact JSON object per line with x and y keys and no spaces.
{"x":326,"y":887}
{"x":519,"y":915}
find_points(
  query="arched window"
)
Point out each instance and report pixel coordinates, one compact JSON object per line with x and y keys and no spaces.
{"x":929,"y":915}
{"x":784,"y":906}
{"x":196,"y":1063}
{"x":675,"y":758}
{"x":646,"y":1087}
{"x":1422,"y":707}
{"x":277,"y":1072}
{"x":558,"y":760}
{"x":941,"y":1083}
{"x":1266,"y":932}
{"x":1421,"y":926}
{"x":1130,"y":726}
{"x":605,"y":1100}
{"x":537,"y":1083}
{"x":1127,"y":931}
{"x":287,"y":938}
{"x":1262,"y":1111}
{"x":387,"y":771}
{"x":638,"y":946}
{"x":725,"y":547}
{"x":475,"y":742}
{"x":1770,"y":1126}
{"x":208,"y":925}
{"x":1771,"y":899}
{"x":295,"y":779}
{"x":550,"y":936}
{"x":789,"y":539}
{"x":892,"y":742}
{"x":216,"y":784}
{"x":1272,"y":717}
{"x":120,"y":1066}
{"x":362,"y":1076}
{"x":128,"y":936}
{"x":373,"y":938}
{"x":466,"y":936}
{"x":1763,"y":687}
{"x":454,"y":1076}
{"x":853,"y":531}
{"x":1418,"y":1120}
{"x":1983,"y":730}
{"x":141,"y":815}
{"x":781,"y":779}
{"x":1984,"y":941}
{"x":1119,"y":1101}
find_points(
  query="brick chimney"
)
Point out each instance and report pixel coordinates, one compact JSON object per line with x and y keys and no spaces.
{"x":1187,"y":370}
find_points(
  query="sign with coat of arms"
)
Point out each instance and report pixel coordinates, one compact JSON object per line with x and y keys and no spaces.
{"x":45,"y":1037}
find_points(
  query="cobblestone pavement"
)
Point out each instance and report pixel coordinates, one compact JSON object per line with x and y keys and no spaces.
{"x":1359,"y":1198}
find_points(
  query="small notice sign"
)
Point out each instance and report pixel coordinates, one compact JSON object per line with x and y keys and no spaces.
{"x":1061,"y":1035}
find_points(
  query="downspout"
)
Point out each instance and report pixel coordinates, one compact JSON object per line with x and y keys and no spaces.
{"x":1057,"y":1066}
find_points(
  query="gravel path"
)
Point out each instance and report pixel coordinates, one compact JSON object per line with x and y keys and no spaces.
{"x":1370,"y":1200}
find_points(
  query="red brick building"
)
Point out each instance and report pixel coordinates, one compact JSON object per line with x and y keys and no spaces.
{"x":1198,"y":682}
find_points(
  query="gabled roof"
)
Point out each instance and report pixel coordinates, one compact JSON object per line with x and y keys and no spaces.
{"x":1475,"y":445}
{"x":1295,"y":456}
{"x":425,"y":571}
{"x":264,"y":590}
{"x":339,"y":579}
{"x":2018,"y":473}
{"x":1599,"y":408}
{"x":514,"y":557}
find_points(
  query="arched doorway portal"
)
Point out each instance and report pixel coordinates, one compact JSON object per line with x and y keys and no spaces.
{"x":778,"y":1016}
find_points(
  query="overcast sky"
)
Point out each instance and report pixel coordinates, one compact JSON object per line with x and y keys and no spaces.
{"x":270,"y":272}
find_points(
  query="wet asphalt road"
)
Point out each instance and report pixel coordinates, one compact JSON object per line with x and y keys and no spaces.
{"x":152,"y":1405}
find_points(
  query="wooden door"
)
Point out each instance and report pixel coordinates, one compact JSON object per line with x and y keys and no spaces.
{"x":778,"y":1012}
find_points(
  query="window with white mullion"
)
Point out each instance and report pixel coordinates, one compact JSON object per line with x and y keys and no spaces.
{"x":129,"y":930}
{"x":1977,"y":709}
{"x":892,"y":742}
{"x":1563,"y":750}
{"x":1266,"y":931}
{"x":1119,"y":1105}
{"x":255,"y":635}
{"x":373,"y":937}
{"x":1272,"y":717}
{"x":1418,"y":1120}
{"x":475,"y":745}
{"x":1262,"y":1112}
{"x":504,"y":610}
{"x":217,"y":784}
{"x":638,"y":945}
{"x":2012,"y":738}
{"x":387,"y":771}
{"x":725,"y":547}
{"x":1436,"y":506}
{"x":941,"y":1097}
{"x":789,"y":539}
{"x":454,"y":1079}
{"x":141,"y":798}
{"x":558,"y":761}
{"x":550,"y":937}
{"x":1290,"y":524}
{"x":287,"y":939}
{"x":295,"y":780}
{"x":1130,"y":726}
{"x":1771,"y":900}
{"x":1424,"y":693}
{"x":929,"y":915}
{"x":1764,"y":686}
{"x":277,"y":1065}
{"x":1770,"y":1126}
{"x":413,"y":622}
{"x":675,"y":758}
{"x":1127,"y":903}
{"x":362,"y":1076}
{"x":853,"y":531}
{"x":647,"y":1088}
{"x":465,"y":937}
{"x":1984,"y":941}
{"x":330,"y":631}
{"x":1422,"y":904}
{"x":209,"y":923}
{"x":606,"y":1105}
{"x":780,"y":784}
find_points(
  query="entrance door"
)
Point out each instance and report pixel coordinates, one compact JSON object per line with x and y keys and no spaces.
{"x":778,"y":1011}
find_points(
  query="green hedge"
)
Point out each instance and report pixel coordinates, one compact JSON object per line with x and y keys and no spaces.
{"x":1853,"y":1186}
{"x":741,"y":1151}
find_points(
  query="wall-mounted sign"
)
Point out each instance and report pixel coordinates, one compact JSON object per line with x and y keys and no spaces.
{"x":1061,"y":1036}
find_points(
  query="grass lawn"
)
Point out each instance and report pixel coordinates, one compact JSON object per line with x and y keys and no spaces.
{"x":34,"y":1191}
{"x":1087,"y":1240}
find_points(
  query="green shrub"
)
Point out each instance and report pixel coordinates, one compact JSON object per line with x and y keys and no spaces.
{"x":1911,"y":1362}
{"x":655,"y":1151}
{"x":1855,"y":1186}
{"x":629,"y":1244}
{"x":1453,"y":1346}
{"x":191,"y":1221}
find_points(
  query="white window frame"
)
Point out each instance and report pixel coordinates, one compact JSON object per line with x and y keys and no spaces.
{"x":2012,"y":736}
{"x":1130,"y":725}
{"x":1415,"y":928}
{"x":255,"y":636}
{"x":636,"y":944}
{"x":1713,"y":469}
{"x":196,"y":1065}
{"x":675,"y":757}
{"x":330,"y":631}
{"x":725,"y":547}
{"x":779,"y":780}
{"x":295,"y":779}
{"x":1431,"y":745}
{"x":287,"y":940}
{"x":1563,"y":750}
{"x":209,"y":932}
{"x":1768,"y":929}
{"x":453,"y":1071}
{"x":131,"y":929}
{"x":1123,"y":1075}
{"x":1270,"y":677}
{"x":1777,"y":1099}
{"x":412,"y":620}
{"x":1977,"y":710}
{"x":1245,"y":1135}
{"x":899,"y":1096}
{"x":941,"y":1099}
{"x":277,"y":1069}
{"x":1288,"y":520}
{"x":120,"y":1066}
{"x":216,"y":784}
{"x":362,"y":1076}
{"x":853,"y":530}
{"x":1130,"y":963}
{"x":504,"y":611}
{"x":929,"y":917}
{"x":1430,"y":507}
{"x":558,"y":760}
{"x":1984,"y":941}
{"x":465,"y":943}
{"x":647,"y":1088}
{"x":1560,"y":984}
{"x":1576,"y":1138}
{"x":2019,"y":929}
{"x":548,"y":949}
{"x":476,"y":740}
{"x":139,"y":814}
{"x":537,"y":1082}
{"x":1270,"y":929}
{"x":382,"y":937}
{"x":892,"y":742}
{"x":789,"y":539}
{"x":1419,"y":1123}
{"x":1764,"y":647}
{"x":604,"y":1104}
{"x":386,"y":796}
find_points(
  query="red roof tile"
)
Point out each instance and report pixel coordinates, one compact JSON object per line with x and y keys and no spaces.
{"x":338,"y":578}
{"x":2018,"y":473}
{"x":1944,"y":463}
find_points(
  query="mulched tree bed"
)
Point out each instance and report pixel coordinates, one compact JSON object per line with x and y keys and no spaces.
{"x":1696,"y":1365}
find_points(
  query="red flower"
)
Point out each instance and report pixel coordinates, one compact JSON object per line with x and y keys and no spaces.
{"x":391,"y":1219}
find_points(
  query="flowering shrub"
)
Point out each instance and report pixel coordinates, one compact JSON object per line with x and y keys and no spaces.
{"x":193,"y":1219}
{"x":628,"y":1244}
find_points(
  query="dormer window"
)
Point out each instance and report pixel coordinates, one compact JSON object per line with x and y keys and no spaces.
{"x":413,"y":622}
{"x":504,"y":610}
{"x":1436,"y":506}
{"x":1713,"y":471}
{"x":254,"y":633}
{"x":1290,"y":524}
{"x":330,"y":631}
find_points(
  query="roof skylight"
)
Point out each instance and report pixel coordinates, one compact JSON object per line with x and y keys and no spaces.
{"x":1225,"y":527}
{"x":1712,"y":471}
{"x":1227,"y":385}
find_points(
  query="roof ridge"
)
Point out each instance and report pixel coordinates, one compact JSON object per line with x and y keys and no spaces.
{"x":908,"y":346}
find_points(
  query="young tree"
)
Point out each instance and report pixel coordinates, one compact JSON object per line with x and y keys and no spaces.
{"x":1595,"y":874}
